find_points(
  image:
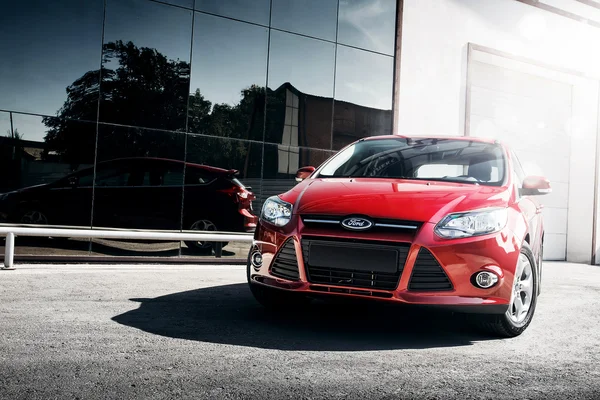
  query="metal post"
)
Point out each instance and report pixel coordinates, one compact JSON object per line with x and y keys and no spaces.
{"x":218,"y":249}
{"x":9,"y":253}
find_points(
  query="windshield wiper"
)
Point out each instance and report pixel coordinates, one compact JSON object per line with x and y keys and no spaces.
{"x":455,"y":180}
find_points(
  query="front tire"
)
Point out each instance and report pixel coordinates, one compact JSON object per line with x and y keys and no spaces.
{"x":522,"y":303}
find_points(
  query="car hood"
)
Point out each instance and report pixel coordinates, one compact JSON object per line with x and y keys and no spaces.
{"x":423,"y":201}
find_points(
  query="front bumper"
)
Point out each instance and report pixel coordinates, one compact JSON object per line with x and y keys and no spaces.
{"x":458,"y":259}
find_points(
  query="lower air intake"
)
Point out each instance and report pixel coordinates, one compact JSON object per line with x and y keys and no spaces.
{"x":285,"y":264}
{"x":428,"y":275}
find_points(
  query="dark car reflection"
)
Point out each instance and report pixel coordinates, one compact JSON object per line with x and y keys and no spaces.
{"x":138,"y":193}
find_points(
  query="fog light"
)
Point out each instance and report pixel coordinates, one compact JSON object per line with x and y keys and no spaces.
{"x":256,"y":259}
{"x":485,"y":279}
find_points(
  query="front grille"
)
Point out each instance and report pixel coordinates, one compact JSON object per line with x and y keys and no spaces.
{"x":428,"y":275}
{"x":362,"y":274}
{"x":361,"y":292}
{"x":333,"y":222}
{"x":285,"y":263}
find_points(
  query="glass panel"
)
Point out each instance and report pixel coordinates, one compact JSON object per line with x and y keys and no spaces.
{"x":299,"y":101}
{"x":368,"y":24}
{"x":228,"y":78}
{"x":50,"y":148}
{"x":5,"y":128}
{"x":256,"y":11}
{"x":363,"y":92}
{"x":182,"y":3}
{"x":139,"y":179}
{"x":315,"y":18}
{"x":49,"y":46}
{"x":146,"y":64}
{"x":38,"y":170}
{"x":215,"y":198}
{"x":281,"y":164}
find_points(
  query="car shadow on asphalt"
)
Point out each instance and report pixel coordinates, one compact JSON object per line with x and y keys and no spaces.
{"x":229,"y":315}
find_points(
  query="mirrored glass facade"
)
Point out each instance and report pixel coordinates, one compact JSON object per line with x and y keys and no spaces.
{"x":144,"y":114}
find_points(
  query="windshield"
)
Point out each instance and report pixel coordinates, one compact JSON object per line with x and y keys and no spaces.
{"x":423,"y":159}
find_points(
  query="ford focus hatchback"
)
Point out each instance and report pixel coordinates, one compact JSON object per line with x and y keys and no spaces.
{"x":451,"y":222}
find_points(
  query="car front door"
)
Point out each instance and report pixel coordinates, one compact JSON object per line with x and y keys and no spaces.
{"x":163,"y":191}
{"x":139,"y":194}
{"x":115,"y":204}
{"x":70,"y":199}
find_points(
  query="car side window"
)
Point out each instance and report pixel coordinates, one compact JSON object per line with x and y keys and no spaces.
{"x":114,"y":177}
{"x":519,"y":174}
{"x":169,"y":176}
{"x":86,"y":178}
{"x":194,"y":176}
{"x":518,"y":167}
{"x":173,"y":177}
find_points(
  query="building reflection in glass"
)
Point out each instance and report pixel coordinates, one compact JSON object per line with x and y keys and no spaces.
{"x":147,"y":125}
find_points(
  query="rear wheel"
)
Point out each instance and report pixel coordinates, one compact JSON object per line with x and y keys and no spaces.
{"x":33,"y":217}
{"x":522,"y":303}
{"x":206,"y":225}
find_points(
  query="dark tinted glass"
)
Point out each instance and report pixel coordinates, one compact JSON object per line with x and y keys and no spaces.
{"x":182,"y":3}
{"x":256,"y":11}
{"x":213,"y":194}
{"x":5,"y":128}
{"x":57,"y":140}
{"x":426,"y":159}
{"x":363,"y":92}
{"x":139,"y":178}
{"x":281,"y":164}
{"x":317,"y":18}
{"x":299,"y":101}
{"x":368,"y":24}
{"x":228,"y":78}
{"x":41,"y":161}
{"x":146,"y":61}
{"x":241,"y":155}
{"x":47,"y":46}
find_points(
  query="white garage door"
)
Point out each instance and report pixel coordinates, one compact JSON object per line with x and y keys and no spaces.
{"x":532,"y":115}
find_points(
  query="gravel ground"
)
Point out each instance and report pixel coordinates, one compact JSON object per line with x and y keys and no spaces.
{"x":163,"y":332}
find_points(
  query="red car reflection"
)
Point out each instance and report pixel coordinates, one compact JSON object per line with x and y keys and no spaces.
{"x":450,"y":222}
{"x":138,"y":193}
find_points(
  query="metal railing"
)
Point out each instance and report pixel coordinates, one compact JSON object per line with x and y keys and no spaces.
{"x":14,"y":231}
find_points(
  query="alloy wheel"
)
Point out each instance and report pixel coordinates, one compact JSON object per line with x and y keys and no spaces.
{"x":522,"y":291}
{"x":203,"y":225}
{"x":34,"y":218}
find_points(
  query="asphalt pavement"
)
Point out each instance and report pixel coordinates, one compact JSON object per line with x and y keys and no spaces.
{"x":164,"y":332}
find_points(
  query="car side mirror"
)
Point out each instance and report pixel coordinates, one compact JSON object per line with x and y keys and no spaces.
{"x":304,"y":173}
{"x":535,"y":186}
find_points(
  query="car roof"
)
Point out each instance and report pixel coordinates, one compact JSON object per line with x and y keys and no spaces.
{"x":207,"y":168}
{"x":436,"y":137}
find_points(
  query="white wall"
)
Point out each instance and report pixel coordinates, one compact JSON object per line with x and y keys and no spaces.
{"x":433,"y":71}
{"x":433,"y":62}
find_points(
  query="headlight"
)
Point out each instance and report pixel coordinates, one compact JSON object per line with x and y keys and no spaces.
{"x":461,"y":225}
{"x":276,"y":211}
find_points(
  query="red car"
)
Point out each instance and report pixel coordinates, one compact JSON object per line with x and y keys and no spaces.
{"x":440,"y":221}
